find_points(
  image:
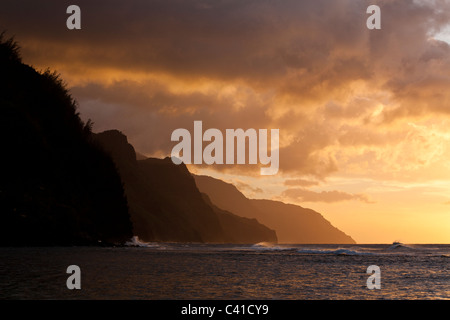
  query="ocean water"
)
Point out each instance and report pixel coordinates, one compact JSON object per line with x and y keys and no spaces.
{"x":250,"y":272}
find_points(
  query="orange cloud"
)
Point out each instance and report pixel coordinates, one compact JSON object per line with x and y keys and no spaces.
{"x":300,"y":182}
{"x":304,"y":195}
{"x":341,"y":95}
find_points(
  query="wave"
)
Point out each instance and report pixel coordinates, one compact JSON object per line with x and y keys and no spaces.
{"x":270,"y":246}
{"x":398,"y":245}
{"x":339,"y":252}
{"x":136,"y":242}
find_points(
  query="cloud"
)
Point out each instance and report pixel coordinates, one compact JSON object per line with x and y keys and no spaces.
{"x":342,"y":96}
{"x":300,"y":182}
{"x":304,"y":195}
{"x":245,"y":186}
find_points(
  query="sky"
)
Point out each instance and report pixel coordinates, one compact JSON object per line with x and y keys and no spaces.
{"x":363,"y":115}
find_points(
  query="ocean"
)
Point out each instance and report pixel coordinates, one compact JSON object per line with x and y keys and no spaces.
{"x":161,"y":271}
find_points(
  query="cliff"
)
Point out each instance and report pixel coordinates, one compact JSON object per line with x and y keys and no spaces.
{"x":292,"y":223}
{"x":57,"y":187}
{"x":165,"y":204}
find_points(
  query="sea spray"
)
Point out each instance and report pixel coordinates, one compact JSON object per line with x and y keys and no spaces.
{"x":136,"y":242}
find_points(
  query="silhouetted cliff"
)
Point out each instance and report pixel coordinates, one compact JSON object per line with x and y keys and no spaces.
{"x":165,"y":204}
{"x":57,"y":187}
{"x":293,"y":224}
{"x":242,"y":230}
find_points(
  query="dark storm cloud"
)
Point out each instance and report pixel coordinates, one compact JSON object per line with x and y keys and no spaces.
{"x":189,"y":38}
{"x":309,"y":68}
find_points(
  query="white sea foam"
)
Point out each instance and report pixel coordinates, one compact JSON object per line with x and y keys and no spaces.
{"x":270,"y":247}
{"x":335,"y":252}
{"x":136,"y":242}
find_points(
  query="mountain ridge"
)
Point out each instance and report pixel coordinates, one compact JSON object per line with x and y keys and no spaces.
{"x":293,"y":223}
{"x":166,"y":205}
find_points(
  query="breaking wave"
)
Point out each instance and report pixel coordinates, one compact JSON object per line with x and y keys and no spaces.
{"x":398,"y":245}
{"x":267,"y":246}
{"x":270,"y":247}
{"x":340,"y":252}
{"x":136,"y":242}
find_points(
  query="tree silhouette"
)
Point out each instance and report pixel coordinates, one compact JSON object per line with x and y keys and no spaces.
{"x":57,"y":185}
